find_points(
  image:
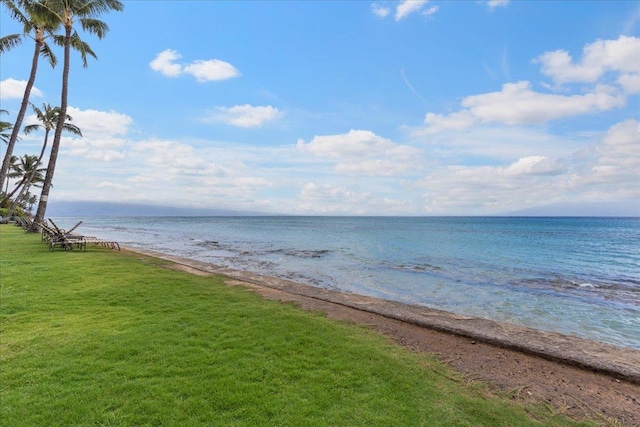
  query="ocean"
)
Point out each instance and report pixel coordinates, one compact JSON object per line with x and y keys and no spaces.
{"x":576,"y":276}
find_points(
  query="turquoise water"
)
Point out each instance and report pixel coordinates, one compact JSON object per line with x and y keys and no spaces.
{"x":578,"y":276}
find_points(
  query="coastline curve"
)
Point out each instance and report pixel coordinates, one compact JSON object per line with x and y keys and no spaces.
{"x":618,"y":362}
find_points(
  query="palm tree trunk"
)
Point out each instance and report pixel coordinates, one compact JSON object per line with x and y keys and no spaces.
{"x":55,"y":146}
{"x":31,"y":175}
{"x":21,"y":113}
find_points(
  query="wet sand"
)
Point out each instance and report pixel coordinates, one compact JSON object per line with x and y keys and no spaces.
{"x":578,"y":377}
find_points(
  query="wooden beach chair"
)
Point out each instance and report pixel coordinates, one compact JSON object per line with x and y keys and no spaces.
{"x":25,"y":222}
{"x":67,"y":240}
{"x":57,"y":237}
{"x":106,"y":243}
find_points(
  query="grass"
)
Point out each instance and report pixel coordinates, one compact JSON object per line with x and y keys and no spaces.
{"x":105,"y":338}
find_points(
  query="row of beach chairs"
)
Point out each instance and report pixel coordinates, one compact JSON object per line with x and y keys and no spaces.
{"x":24,"y":222}
{"x":54,"y":236}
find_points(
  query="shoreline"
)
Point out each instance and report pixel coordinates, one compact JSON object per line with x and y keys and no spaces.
{"x":582,"y":379}
{"x":618,"y":362}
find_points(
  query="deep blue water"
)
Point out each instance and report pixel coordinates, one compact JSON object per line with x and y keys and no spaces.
{"x":578,"y":276}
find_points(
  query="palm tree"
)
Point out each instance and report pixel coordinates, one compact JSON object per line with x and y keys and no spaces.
{"x":37,"y":21}
{"x":13,"y":172}
{"x":35,"y":176}
{"x":48,"y":117}
{"x":30,"y":200}
{"x":25,"y":170}
{"x":69,"y":13}
{"x":4,"y":126}
{"x":30,"y":174}
{"x":4,"y":137}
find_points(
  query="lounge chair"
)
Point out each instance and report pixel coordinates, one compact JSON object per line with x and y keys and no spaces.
{"x":25,"y":222}
{"x":57,"y":237}
{"x":67,"y":240}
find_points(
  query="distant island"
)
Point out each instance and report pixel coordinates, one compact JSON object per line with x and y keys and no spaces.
{"x":93,"y":208}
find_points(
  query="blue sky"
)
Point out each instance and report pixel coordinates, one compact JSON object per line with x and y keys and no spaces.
{"x":349,"y":108}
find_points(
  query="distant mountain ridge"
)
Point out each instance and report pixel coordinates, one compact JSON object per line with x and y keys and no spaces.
{"x":90,"y":208}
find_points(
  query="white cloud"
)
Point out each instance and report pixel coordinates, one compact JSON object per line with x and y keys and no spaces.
{"x":620,"y":56}
{"x":610,"y":171}
{"x":213,"y":69}
{"x":460,"y":120}
{"x":103,"y":149}
{"x":245,"y":116}
{"x":399,"y":178}
{"x":164,"y":63}
{"x":373,"y":167}
{"x":497,"y":3}
{"x":618,"y":155}
{"x":404,"y":9}
{"x":431,"y":11}
{"x":361,"y":152}
{"x":380,"y":11}
{"x":534,"y":165}
{"x":493,"y":189}
{"x":516,"y":104}
{"x":103,"y":135}
{"x":407,"y":7}
{"x":169,"y":156}
{"x":202,"y":70}
{"x":630,"y":83}
{"x":14,"y":89}
{"x":324,"y":191}
{"x":332,"y":199}
{"x":160,"y":170}
{"x":166,"y":167}
{"x":100,"y":123}
{"x":113,"y":186}
{"x":498,"y":143}
{"x":354,"y":144}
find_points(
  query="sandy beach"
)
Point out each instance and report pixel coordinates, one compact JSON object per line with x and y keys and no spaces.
{"x":574,"y":376}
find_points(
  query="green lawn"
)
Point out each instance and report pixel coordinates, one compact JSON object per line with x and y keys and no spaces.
{"x":105,"y":338}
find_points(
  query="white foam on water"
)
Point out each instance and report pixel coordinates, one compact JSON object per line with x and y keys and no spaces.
{"x":588,"y":285}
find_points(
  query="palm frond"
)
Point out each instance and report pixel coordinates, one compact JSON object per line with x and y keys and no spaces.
{"x":49,"y":9}
{"x":58,"y":39}
{"x":82,"y":47}
{"x":47,"y":53}
{"x":94,"y":26}
{"x":14,"y":11}
{"x":9,"y":42}
{"x":48,"y":117}
{"x":72,"y":128}
{"x":31,"y":128}
{"x":4,"y":137}
{"x":96,"y":7}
